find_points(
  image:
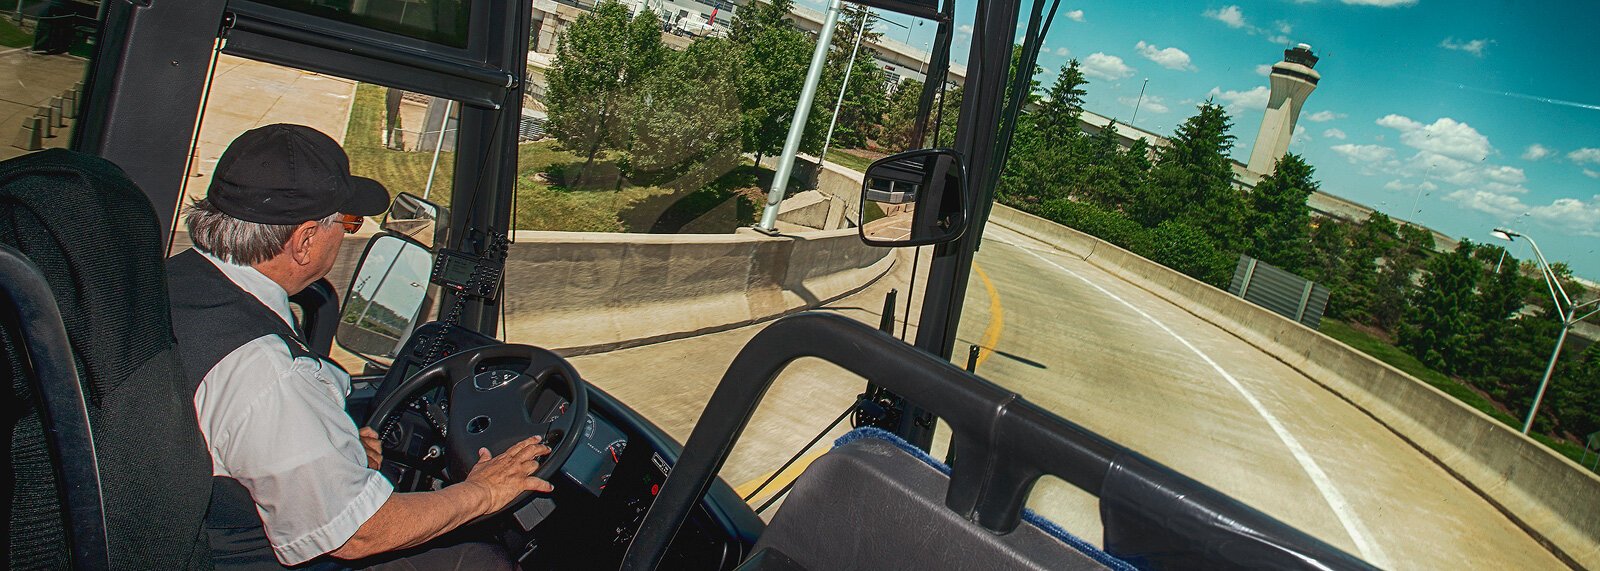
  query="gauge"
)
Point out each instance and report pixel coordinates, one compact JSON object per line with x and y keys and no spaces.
{"x":615,"y":449}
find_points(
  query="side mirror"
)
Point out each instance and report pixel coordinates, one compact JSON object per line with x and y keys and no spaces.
{"x":386,"y":293}
{"x":417,"y":219}
{"x":914,"y":198}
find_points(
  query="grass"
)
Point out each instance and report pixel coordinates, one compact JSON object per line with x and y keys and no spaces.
{"x":1383,"y":351}
{"x":599,"y":206}
{"x":848,"y":160}
{"x":13,"y":37}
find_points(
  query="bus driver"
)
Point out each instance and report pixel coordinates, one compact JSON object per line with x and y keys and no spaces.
{"x":294,"y":482}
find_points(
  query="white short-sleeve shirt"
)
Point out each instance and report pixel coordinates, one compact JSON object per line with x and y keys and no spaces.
{"x":277,"y":424}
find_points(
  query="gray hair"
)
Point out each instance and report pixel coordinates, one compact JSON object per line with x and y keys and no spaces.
{"x":236,"y":241}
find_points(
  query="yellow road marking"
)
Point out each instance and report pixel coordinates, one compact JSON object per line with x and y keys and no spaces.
{"x":778,"y":483}
{"x":997,"y":317}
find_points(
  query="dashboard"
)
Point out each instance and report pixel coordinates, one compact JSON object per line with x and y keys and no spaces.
{"x":603,"y":491}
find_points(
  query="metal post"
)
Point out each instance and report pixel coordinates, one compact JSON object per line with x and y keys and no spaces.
{"x":886,"y":321}
{"x":1566,"y":324}
{"x":848,"y":67}
{"x":1140,"y":102}
{"x":972,"y":359}
{"x":439,"y":144}
{"x":797,"y":128}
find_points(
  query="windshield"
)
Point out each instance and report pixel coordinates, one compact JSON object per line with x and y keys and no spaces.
{"x":1185,"y":184}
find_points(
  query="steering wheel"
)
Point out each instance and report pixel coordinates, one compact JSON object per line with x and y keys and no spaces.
{"x":493,"y":408}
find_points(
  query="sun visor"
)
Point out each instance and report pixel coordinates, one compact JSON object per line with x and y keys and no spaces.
{"x":928,"y":9}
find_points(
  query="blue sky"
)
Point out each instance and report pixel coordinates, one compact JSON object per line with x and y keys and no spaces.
{"x":1460,"y":115}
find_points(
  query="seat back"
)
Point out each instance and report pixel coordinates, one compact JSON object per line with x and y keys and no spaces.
{"x":42,"y":377}
{"x":94,"y":238}
{"x":874,"y":491}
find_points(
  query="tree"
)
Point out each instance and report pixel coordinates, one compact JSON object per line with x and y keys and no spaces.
{"x":1057,"y":117}
{"x":1401,"y":262}
{"x":1280,"y":219}
{"x":773,"y":58}
{"x":1436,"y":326}
{"x":684,"y":121}
{"x":865,"y":93}
{"x":901,"y":117}
{"x":1193,"y":181}
{"x":599,"y":61}
{"x":1576,"y":399}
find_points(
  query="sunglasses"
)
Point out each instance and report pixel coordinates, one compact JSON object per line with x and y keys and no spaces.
{"x":351,"y":222}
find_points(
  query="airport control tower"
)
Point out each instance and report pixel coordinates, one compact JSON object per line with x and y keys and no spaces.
{"x":1292,"y":81}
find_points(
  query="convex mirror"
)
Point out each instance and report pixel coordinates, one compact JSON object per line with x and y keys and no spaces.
{"x":386,"y":293}
{"x":416,"y":218}
{"x":914,"y":198}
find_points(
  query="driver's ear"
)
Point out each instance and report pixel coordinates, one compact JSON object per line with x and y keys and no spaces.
{"x":300,"y":242}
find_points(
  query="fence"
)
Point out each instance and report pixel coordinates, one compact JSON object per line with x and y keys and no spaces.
{"x":1279,"y":291}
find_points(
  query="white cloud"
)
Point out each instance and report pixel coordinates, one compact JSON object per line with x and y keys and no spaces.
{"x":1283,"y":27}
{"x":1364,"y":154}
{"x":1505,"y":174}
{"x":1334,"y":134}
{"x":1586,"y":154}
{"x":1590,"y":173}
{"x":1075,"y":15}
{"x":1230,"y":15}
{"x":1063,"y":52}
{"x":1169,"y":57}
{"x":1444,"y":136}
{"x":1380,"y":3}
{"x":1251,"y":100}
{"x":1474,"y":47}
{"x":1264,"y":69}
{"x":1151,"y":104}
{"x":1278,"y":39}
{"x":1300,"y":135}
{"x":1485,"y":201}
{"x":1401,"y":185}
{"x":965,"y":29}
{"x":1536,"y":151}
{"x":1108,"y":67}
{"x":1324,"y":116}
{"x":1572,"y":215}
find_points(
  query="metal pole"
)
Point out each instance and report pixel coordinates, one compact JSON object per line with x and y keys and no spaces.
{"x":797,"y":128}
{"x":1136,"y":104}
{"x":848,"y":67}
{"x":439,"y":144}
{"x":1565,"y":325}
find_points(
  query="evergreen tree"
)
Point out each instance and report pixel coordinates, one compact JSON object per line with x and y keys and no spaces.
{"x":600,"y":60}
{"x":1330,"y":265}
{"x":1193,"y":181}
{"x":1397,"y":276}
{"x":1280,"y":219}
{"x":1575,"y":400}
{"x":1057,"y":117}
{"x":1436,"y":326}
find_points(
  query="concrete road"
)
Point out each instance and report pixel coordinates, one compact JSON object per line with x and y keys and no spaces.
{"x":1143,"y":372}
{"x":1133,"y":367}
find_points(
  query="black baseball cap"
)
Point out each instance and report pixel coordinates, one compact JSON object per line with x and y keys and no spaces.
{"x":289,"y":174}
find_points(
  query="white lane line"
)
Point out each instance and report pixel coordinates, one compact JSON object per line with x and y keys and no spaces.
{"x":1370,"y":550}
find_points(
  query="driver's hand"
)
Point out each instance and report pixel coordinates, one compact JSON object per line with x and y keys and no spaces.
{"x":506,"y":476}
{"x":369,"y":440}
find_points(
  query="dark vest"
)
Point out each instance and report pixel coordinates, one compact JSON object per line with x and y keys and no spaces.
{"x":212,"y":317}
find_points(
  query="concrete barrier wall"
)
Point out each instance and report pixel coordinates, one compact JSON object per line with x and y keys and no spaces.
{"x":582,"y":292}
{"x":1554,"y":499}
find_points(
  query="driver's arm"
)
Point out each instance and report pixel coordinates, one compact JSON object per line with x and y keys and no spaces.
{"x":409,"y":520}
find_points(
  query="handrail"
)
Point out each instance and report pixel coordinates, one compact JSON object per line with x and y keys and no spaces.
{"x":63,"y":410}
{"x":1005,"y":445}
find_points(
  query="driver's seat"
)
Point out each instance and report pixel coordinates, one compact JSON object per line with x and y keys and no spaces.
{"x":94,"y":238}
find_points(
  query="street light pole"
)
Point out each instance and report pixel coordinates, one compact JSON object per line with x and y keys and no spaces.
{"x":1564,"y":308}
{"x":797,"y":126}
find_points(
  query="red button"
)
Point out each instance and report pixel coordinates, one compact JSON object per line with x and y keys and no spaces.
{"x":654,"y":489}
